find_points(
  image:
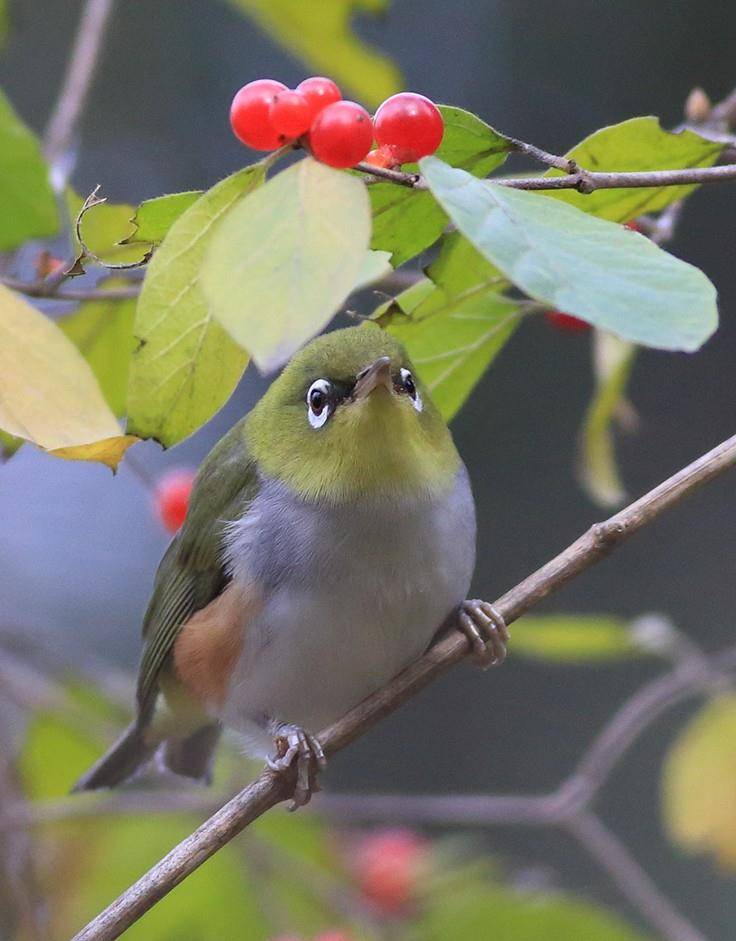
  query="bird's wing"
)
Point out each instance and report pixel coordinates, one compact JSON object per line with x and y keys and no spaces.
{"x":192,"y":573}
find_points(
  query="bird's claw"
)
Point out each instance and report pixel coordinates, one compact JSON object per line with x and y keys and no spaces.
{"x":295,"y":744}
{"x":486,"y":631}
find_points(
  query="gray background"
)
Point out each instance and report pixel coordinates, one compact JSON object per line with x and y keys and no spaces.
{"x":78,"y":547}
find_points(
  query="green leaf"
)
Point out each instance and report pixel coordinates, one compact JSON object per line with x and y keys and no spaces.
{"x":154,"y":217}
{"x":407,"y":221}
{"x":455,"y":329}
{"x":466,"y":914}
{"x":9,"y":444}
{"x":283,"y":260}
{"x":105,"y":229}
{"x":102,"y":331}
{"x":597,"y":471}
{"x":376,"y":265}
{"x":636,"y":144}
{"x":27,"y":200}
{"x":596,"y":270}
{"x":401,"y":308}
{"x":327,"y":43}
{"x":574,"y":638}
{"x":698,"y":794}
{"x":186,"y":366}
{"x":48,"y":393}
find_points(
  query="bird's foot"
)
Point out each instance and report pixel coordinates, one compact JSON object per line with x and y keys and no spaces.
{"x":294,"y":744}
{"x":486,"y":631}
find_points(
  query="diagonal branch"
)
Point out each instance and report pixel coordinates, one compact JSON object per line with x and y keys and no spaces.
{"x":270,"y":788}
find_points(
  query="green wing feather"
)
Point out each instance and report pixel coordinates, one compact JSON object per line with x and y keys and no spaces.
{"x":191,"y":573}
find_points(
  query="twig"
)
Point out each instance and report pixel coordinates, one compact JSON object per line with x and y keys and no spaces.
{"x":40,"y":289}
{"x":270,"y":788}
{"x":632,"y":881}
{"x":62,"y":126}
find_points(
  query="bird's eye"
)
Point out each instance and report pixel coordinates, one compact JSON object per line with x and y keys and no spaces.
{"x":408,"y":385}
{"x":319,"y":406}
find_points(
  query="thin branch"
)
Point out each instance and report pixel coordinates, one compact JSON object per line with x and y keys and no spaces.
{"x":271,"y":788}
{"x":40,"y":289}
{"x":632,"y":881}
{"x":85,"y":56}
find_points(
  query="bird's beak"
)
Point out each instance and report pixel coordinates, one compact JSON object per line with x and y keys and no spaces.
{"x":368,"y":379}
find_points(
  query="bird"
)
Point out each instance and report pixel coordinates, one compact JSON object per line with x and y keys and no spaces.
{"x":329,"y":539}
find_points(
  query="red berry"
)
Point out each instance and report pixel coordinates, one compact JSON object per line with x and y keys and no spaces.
{"x":319,"y":92}
{"x":381,"y":157}
{"x":410,"y":124}
{"x":389,"y":865}
{"x":566,"y":322}
{"x":172,"y":497}
{"x":250,"y":114}
{"x":633,"y":225}
{"x":342,"y":134}
{"x":290,"y":114}
{"x":333,"y":936}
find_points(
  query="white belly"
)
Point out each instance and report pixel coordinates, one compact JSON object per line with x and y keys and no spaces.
{"x":353,"y":594}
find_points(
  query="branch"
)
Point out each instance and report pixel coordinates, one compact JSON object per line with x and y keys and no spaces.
{"x":270,"y":788}
{"x":41,"y":289}
{"x":584,"y":181}
{"x":72,"y":99}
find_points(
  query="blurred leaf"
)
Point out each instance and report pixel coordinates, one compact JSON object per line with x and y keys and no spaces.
{"x":407,"y":221}
{"x":603,"y":273}
{"x":698,"y":793}
{"x":27,"y":200}
{"x":154,"y":217}
{"x":48,"y":393}
{"x":104,"y":227}
{"x":636,"y":144}
{"x":9,"y":444}
{"x":467,"y":914}
{"x":376,"y":265}
{"x":400,"y":308}
{"x":102,"y":331}
{"x":598,"y":472}
{"x":186,"y":366}
{"x":293,"y":249}
{"x":455,"y":330}
{"x":573,"y":638}
{"x":324,"y":39}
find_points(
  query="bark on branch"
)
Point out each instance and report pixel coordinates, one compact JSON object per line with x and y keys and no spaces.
{"x":269,"y":788}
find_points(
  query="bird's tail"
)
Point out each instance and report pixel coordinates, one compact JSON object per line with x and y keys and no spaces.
{"x":192,"y":756}
{"x":120,"y":762}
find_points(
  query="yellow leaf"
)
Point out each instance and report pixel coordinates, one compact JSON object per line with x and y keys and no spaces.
{"x":48,"y":393}
{"x":699,"y":783}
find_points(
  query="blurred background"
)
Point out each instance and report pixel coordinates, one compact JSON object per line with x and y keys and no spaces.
{"x":79,"y":547}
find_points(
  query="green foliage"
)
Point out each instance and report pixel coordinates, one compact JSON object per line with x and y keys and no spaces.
{"x":573,"y":638}
{"x":102,"y":331}
{"x":405,"y":221}
{"x":48,"y":393}
{"x":27,"y":201}
{"x":326,"y":42}
{"x":154,"y":217}
{"x":698,"y":794}
{"x":281,"y":263}
{"x":455,"y":326}
{"x":477,"y":912}
{"x":597,"y":470}
{"x":601,"y":272}
{"x":186,"y":366}
{"x":636,"y":144}
{"x":105,"y":229}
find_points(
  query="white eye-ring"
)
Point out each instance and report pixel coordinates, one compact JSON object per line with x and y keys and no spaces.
{"x":319,"y":407}
{"x":407,"y":380}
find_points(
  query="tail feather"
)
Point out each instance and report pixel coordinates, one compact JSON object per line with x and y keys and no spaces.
{"x":193,"y":756}
{"x":120,"y":762}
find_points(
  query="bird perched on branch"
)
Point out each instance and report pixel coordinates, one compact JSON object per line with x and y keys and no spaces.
{"x":330,"y":536}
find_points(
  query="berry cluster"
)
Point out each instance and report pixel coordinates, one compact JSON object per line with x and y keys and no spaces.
{"x":265,"y":114}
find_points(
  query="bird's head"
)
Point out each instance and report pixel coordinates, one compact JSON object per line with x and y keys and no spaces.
{"x":348,"y":417}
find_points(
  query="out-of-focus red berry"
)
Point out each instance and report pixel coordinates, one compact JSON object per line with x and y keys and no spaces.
{"x":410,"y":124}
{"x":633,"y":225}
{"x":341,"y":135}
{"x":290,"y":114}
{"x":319,"y":92}
{"x":382,"y":157}
{"x":47,"y":264}
{"x":250,"y":114}
{"x":172,"y":497}
{"x":388,"y":866}
{"x":566,"y":322}
{"x":333,"y":936}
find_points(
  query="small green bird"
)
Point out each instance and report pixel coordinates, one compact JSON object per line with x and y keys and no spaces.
{"x":330,"y":536}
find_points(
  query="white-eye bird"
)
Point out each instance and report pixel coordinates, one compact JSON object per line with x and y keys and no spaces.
{"x":330,"y":536}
